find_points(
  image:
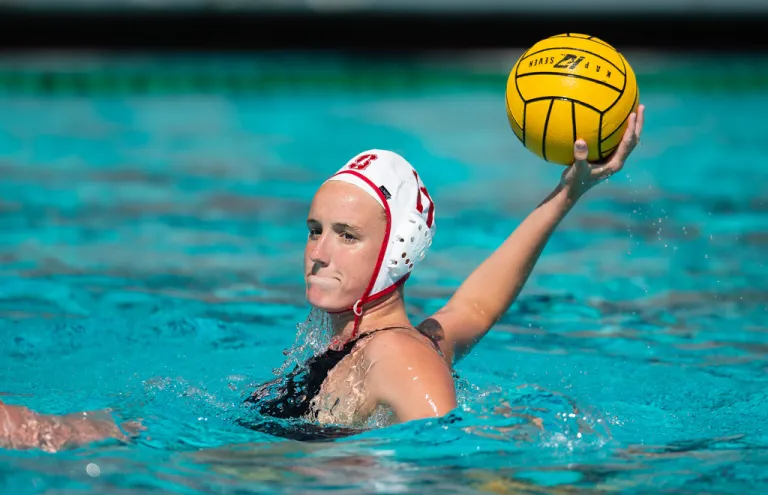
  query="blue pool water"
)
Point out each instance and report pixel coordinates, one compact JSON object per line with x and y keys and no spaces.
{"x":150,"y":263}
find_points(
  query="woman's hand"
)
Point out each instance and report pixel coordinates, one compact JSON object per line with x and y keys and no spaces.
{"x":582,"y":175}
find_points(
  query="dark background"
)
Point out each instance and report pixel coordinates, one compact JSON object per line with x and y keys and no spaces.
{"x":380,"y":26}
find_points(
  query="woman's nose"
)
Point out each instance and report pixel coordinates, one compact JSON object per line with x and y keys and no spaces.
{"x":320,"y":251}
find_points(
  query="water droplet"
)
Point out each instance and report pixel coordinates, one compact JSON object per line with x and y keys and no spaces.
{"x":93,"y":470}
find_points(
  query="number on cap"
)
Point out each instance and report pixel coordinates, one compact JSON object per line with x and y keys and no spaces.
{"x":362,"y":161}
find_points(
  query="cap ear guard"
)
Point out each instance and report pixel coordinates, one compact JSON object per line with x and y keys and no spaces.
{"x":408,"y":245}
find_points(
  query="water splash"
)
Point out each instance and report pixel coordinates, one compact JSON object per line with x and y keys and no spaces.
{"x":312,"y":337}
{"x":530,"y":413}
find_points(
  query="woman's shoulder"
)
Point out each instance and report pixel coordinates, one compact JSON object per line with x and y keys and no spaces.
{"x":402,"y":369}
{"x":401,"y":343}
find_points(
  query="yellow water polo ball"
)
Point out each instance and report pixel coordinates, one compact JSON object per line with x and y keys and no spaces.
{"x":568,"y":87}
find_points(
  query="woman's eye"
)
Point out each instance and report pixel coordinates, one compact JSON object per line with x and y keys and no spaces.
{"x":313,"y":233}
{"x":348,"y":237}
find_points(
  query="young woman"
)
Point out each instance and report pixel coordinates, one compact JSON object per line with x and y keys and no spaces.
{"x":368,"y":226}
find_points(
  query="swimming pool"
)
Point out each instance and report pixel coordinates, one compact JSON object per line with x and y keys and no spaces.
{"x":150,"y":263}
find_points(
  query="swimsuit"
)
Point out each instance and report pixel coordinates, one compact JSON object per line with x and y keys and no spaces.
{"x":290,"y":397}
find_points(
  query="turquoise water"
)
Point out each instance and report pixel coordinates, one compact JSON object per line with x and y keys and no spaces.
{"x":150,"y":263}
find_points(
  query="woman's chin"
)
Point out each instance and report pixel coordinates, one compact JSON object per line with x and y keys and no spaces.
{"x":325,"y":301}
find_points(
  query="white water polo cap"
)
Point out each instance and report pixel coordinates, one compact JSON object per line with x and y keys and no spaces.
{"x":396,"y":186}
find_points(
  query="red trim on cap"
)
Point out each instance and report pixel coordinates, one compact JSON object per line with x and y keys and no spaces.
{"x":389,"y":289}
{"x":382,"y":250}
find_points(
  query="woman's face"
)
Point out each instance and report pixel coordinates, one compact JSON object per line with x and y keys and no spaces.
{"x":346,"y":231}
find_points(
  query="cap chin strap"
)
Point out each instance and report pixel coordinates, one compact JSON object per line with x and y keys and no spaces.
{"x":357,"y":308}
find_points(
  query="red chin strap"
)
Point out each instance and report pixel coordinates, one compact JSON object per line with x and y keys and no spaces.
{"x":357,"y":308}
